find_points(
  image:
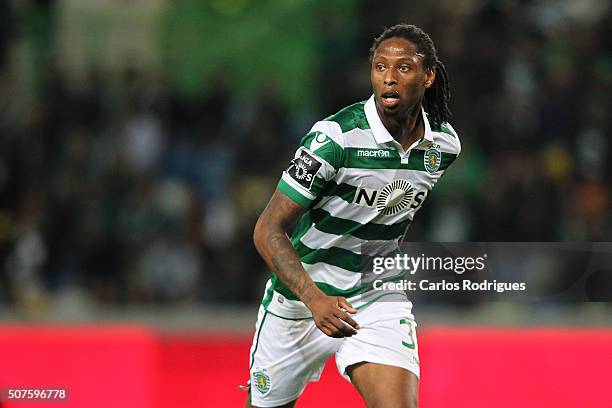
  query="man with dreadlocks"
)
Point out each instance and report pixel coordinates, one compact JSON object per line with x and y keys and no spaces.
{"x":359,"y":176}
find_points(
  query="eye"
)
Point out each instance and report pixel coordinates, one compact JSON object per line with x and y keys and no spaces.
{"x":404,"y":68}
{"x":379,"y":67}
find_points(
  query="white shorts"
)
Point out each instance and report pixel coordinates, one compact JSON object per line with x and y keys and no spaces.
{"x":287,"y":354}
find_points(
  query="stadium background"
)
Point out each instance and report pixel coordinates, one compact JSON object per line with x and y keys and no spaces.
{"x":140,"y":139}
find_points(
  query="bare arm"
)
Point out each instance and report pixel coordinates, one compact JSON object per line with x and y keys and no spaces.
{"x":273,"y":244}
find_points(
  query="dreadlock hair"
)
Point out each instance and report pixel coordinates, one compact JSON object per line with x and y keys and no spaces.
{"x":437,"y":96}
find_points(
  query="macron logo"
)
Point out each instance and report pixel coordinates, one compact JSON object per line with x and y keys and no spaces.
{"x":373,"y":153}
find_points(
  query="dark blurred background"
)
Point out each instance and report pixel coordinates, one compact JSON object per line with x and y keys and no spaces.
{"x":140,"y":139}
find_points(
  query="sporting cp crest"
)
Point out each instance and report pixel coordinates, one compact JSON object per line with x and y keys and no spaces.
{"x":261,"y":381}
{"x":432,"y":159}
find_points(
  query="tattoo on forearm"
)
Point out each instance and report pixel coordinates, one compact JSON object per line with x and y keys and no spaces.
{"x":288,"y":266}
{"x":281,"y":256}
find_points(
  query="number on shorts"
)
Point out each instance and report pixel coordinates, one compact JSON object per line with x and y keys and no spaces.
{"x":410,"y":342}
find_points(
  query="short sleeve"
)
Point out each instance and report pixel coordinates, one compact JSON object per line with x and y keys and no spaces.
{"x":451,"y":146}
{"x":316,"y":162}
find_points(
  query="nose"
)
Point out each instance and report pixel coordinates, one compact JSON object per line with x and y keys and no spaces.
{"x":390,"y":77}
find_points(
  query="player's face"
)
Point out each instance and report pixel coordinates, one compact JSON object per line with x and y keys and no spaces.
{"x":398,"y":77}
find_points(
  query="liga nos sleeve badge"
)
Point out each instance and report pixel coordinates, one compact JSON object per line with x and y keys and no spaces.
{"x":303,"y":169}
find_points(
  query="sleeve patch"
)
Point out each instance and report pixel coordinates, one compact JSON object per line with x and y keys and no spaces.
{"x":303,"y":169}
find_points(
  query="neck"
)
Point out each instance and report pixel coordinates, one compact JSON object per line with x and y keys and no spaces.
{"x":405,"y":129}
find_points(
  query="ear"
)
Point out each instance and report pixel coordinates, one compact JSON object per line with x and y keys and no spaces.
{"x":430,"y":77}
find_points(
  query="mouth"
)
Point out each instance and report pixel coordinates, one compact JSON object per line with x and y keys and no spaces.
{"x":390,"y":99}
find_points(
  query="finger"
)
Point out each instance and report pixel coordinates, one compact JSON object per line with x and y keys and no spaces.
{"x":342,"y":315}
{"x":332,"y":331}
{"x":348,"y":320}
{"x":327,"y":328}
{"x":344,"y":304}
{"x":343,"y":327}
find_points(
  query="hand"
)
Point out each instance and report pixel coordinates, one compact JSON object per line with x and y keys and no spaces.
{"x":331,"y":317}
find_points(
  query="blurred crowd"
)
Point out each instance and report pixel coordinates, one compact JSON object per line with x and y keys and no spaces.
{"x":129,"y":190}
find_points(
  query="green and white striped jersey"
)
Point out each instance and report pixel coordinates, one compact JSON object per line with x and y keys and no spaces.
{"x":357,"y":185}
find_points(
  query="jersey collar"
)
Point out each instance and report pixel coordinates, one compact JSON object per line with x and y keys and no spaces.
{"x":381,"y":134}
